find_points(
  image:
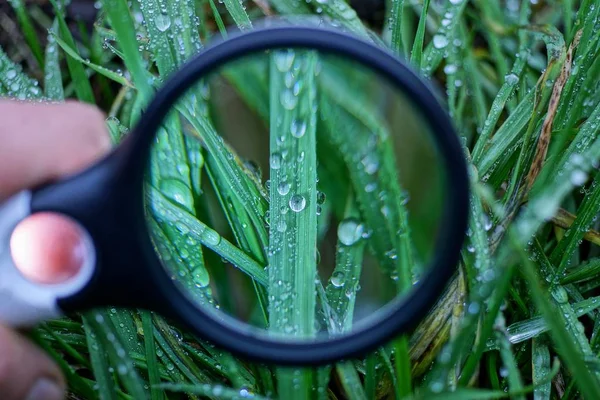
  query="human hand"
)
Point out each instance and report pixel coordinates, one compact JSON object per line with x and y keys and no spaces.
{"x":40,"y":143}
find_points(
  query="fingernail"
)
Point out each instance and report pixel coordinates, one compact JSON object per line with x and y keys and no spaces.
{"x":45,"y":389}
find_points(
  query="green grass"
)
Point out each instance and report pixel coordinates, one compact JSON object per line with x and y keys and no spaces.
{"x":520,"y":317}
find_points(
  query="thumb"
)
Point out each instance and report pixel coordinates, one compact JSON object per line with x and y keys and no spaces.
{"x":26,"y":373}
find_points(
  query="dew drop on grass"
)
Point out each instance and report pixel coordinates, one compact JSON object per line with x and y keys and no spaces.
{"x":371,"y":163}
{"x":275,"y":161}
{"x":281,"y":226}
{"x":162,"y":22}
{"x":321,"y":197}
{"x":337,"y":279}
{"x":284,"y":60}
{"x":298,"y":128}
{"x":297,"y":203}
{"x":450,"y":69}
{"x":283,"y":188}
{"x":511,"y":79}
{"x":350,"y":231}
{"x":440,"y":41}
{"x":578,"y":177}
{"x":288,"y":100}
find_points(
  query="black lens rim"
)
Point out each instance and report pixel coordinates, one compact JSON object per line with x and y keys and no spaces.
{"x":245,"y":341}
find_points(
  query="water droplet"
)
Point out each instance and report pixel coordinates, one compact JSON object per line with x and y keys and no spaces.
{"x":281,"y":226}
{"x":450,"y":69}
{"x":298,"y":128}
{"x":321,"y":197}
{"x":511,"y":79}
{"x":288,"y":100}
{"x":371,"y":163}
{"x":350,"y":231}
{"x":275,"y":161}
{"x":162,"y":22}
{"x":11,"y":74}
{"x":337,"y":279}
{"x":578,"y":177}
{"x":284,"y":60}
{"x":297,"y":203}
{"x":283,"y":188}
{"x":440,"y":41}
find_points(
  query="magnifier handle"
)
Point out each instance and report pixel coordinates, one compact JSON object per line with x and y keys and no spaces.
{"x":24,"y":303}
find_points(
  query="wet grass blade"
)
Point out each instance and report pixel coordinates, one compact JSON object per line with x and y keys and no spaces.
{"x":82,"y":85}
{"x":540,"y":365}
{"x":28,"y":30}
{"x":350,"y":381}
{"x":53,"y":85}
{"x":416,"y":54}
{"x":293,"y":208}
{"x":100,"y":364}
{"x":18,"y":85}
{"x":151,"y":359}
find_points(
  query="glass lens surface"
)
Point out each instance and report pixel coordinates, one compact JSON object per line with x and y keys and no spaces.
{"x":297,"y":193}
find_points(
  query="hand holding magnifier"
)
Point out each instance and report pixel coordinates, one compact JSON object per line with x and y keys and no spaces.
{"x":360,"y":224}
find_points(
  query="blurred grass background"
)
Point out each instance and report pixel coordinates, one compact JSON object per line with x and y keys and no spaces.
{"x":520,"y":318}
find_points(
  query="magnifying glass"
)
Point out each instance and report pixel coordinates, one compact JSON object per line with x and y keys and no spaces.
{"x":293,"y":194}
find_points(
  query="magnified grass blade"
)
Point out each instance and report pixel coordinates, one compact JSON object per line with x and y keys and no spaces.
{"x":386,"y":216}
{"x":293,"y":208}
{"x":344,"y":281}
{"x":293,"y":233}
{"x":208,"y":237}
{"x":231,"y":172}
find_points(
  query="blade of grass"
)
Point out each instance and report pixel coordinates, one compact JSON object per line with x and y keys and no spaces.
{"x":293,"y":236}
{"x":416,"y":54}
{"x":540,"y":366}
{"x":100,"y":364}
{"x":153,"y":372}
{"x":28,"y":31}
{"x":82,"y":85}
{"x":53,"y":85}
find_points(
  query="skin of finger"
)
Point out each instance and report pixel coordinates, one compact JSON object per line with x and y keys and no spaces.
{"x":21,"y":365}
{"x":42,"y":142}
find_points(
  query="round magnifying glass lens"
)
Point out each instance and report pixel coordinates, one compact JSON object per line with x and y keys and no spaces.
{"x":296,"y":192}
